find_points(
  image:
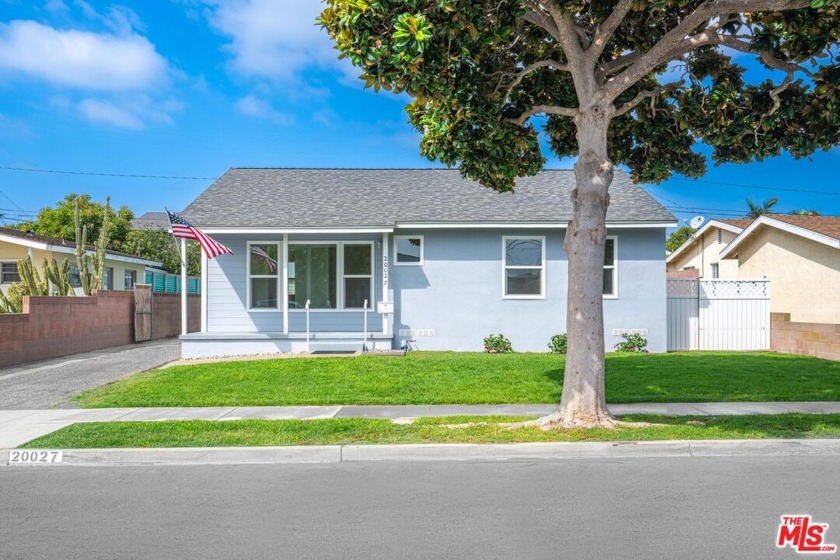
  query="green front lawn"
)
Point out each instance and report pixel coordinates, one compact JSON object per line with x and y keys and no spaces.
{"x":472,"y":378}
{"x":345,"y":431}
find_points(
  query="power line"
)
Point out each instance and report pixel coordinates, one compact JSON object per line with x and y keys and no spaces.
{"x":12,"y":201}
{"x":741,"y":185}
{"x":99,"y":174}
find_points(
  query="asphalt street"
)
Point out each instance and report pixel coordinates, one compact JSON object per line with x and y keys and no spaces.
{"x":725,"y":507}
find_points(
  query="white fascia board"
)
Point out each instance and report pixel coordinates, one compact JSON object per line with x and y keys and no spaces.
{"x":23,"y":242}
{"x":72,"y":250}
{"x":528,"y":225}
{"x":270,"y":231}
{"x":784,"y":226}
{"x":108,"y":256}
{"x":700,"y":233}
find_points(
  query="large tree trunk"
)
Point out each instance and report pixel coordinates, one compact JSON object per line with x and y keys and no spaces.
{"x":583,"y":402}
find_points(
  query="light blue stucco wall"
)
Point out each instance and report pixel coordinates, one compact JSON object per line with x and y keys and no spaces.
{"x":227,"y":309}
{"x":457,"y":293}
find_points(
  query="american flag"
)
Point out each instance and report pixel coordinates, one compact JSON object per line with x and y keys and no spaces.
{"x":182,"y":229}
{"x":259,"y":252}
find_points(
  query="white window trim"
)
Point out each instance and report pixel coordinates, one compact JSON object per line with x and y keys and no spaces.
{"x":344,"y":276}
{"x":1,"y":272}
{"x":614,"y":268}
{"x":422,"y":250}
{"x":249,"y":276}
{"x":505,"y":267}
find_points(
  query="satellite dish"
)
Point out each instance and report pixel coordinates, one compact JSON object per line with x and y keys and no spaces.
{"x":696,"y":222}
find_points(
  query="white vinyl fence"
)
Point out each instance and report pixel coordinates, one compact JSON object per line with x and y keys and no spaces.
{"x":718,"y":314}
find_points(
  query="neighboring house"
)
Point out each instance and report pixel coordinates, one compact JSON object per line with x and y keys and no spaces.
{"x":445,"y":260}
{"x":151,"y":220}
{"x":122,"y":271}
{"x":800,"y":255}
{"x":700,"y":255}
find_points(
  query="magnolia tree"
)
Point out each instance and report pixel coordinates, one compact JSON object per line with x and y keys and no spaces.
{"x":631,"y":82}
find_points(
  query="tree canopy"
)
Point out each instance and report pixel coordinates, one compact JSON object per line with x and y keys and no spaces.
{"x":677,"y":238}
{"x":632,"y":82}
{"x":58,"y":221}
{"x":478,"y":70}
{"x":160,"y":245}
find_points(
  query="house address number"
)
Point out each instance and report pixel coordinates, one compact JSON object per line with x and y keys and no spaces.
{"x":25,"y":457}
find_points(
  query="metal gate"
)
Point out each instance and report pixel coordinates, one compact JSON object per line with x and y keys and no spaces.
{"x":718,"y":314}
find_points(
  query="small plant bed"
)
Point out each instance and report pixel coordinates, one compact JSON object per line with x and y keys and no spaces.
{"x":473,"y":378}
{"x":347,"y":431}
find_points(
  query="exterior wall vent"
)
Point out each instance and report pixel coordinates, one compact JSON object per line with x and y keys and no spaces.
{"x":417,"y":333}
{"x":622,"y":332}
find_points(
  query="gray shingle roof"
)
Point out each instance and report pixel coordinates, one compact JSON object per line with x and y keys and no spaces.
{"x":354,"y":198}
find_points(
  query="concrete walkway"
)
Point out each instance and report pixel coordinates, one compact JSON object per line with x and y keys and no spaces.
{"x":50,"y":383}
{"x":19,"y":426}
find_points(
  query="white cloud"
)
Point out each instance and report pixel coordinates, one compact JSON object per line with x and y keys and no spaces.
{"x":252,"y":106}
{"x":108,"y":113}
{"x":131,"y":111}
{"x":81,"y":59}
{"x":273,"y":39}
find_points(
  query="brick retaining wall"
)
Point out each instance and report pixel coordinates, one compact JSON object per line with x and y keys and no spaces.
{"x":811,"y":339}
{"x":51,"y":327}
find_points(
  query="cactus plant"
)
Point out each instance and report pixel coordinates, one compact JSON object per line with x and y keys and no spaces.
{"x":12,"y":300}
{"x":91,"y":267}
{"x":59,"y":277}
{"x":31,"y":281}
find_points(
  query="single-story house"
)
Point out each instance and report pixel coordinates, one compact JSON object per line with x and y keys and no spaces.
{"x":437,"y":259}
{"x":800,"y":255}
{"x":122,"y":271}
{"x":701,"y":253}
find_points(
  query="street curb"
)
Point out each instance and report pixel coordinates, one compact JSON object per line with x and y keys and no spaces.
{"x":437,"y":452}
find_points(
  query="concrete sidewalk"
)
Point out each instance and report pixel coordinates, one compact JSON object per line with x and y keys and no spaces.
{"x":19,"y":426}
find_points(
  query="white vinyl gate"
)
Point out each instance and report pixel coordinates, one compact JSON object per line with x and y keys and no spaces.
{"x":718,"y":314}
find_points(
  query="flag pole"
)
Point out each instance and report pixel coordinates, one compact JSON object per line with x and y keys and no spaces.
{"x":184,"y":286}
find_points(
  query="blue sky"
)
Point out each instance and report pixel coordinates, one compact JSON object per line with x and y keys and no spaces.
{"x":189,"y":88}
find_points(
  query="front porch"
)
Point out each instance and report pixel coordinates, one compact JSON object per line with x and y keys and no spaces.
{"x":217,"y":344}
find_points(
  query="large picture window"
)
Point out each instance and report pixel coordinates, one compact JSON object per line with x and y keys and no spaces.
{"x":524,"y":273}
{"x":263,"y":275}
{"x":611,"y":267}
{"x":312,"y":276}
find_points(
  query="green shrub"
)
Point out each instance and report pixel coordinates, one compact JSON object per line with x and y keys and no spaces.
{"x":497,"y":344}
{"x":557,"y":344}
{"x":632,"y":343}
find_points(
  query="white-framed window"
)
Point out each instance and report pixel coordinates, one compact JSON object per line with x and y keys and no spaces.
{"x":611,"y":267}
{"x":9,"y":272}
{"x":524,"y":267}
{"x":715,"y":270}
{"x":332,"y":275}
{"x":263,"y":267}
{"x":408,"y":250}
{"x":108,"y":278}
{"x":130,"y":279}
{"x":358,"y":274}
